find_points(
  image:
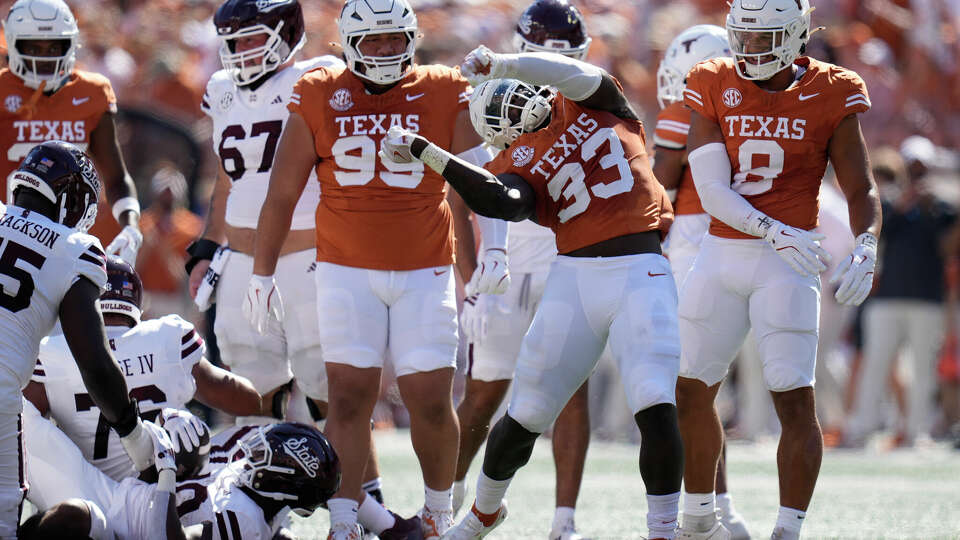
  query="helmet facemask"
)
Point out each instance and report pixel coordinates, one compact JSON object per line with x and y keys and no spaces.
{"x":247,"y":67}
{"x":763,"y":41}
{"x":502,"y":109}
{"x":379,"y":69}
{"x":41,"y":20}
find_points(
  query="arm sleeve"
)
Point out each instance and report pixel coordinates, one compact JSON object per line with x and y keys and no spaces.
{"x":711,"y":170}
{"x":575,"y":79}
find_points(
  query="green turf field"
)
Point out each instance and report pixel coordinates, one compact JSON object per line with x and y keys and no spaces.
{"x":863,"y":494}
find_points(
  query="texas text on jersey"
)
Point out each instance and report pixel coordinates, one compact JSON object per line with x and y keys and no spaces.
{"x":156,"y":358}
{"x":246,"y":129}
{"x":370,"y":210}
{"x":43,"y":256}
{"x":69,"y":114}
{"x":778,"y":161}
{"x":587,"y":158}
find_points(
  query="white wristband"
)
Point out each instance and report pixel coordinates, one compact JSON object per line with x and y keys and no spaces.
{"x":124,"y":204}
{"x":167,"y":481}
{"x":435,"y":157}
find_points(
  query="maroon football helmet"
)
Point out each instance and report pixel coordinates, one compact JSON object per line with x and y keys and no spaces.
{"x":552,"y":26}
{"x":65,"y":176}
{"x":124,"y":290}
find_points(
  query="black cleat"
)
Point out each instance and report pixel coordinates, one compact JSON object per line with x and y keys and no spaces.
{"x":403,"y":529}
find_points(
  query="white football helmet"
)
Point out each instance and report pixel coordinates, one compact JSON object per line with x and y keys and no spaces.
{"x":694,"y":45}
{"x":502,"y":109}
{"x":782,"y":25}
{"x":41,"y":20}
{"x":361,"y":18}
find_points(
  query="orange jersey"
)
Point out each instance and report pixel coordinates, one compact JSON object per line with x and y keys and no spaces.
{"x":591,"y":175}
{"x":69,"y":114}
{"x":377,"y":215}
{"x":673,"y":123}
{"x":777,"y":141}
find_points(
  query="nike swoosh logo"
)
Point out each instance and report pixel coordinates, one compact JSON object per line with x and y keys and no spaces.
{"x":439,"y":272}
{"x":651,"y":274}
{"x":802,"y":97}
{"x":415,"y":97}
{"x":80,"y":101}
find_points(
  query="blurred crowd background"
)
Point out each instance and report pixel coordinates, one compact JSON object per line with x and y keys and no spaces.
{"x":891,"y":365}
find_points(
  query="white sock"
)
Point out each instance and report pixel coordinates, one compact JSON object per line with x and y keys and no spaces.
{"x":459,"y":493}
{"x":373,"y":516}
{"x":791,"y":520}
{"x":699,"y":504}
{"x":562,"y":515}
{"x":438,"y":501}
{"x":343,"y":511}
{"x":725,"y":504}
{"x":662,"y":515}
{"x":373,"y":485}
{"x":490,"y":493}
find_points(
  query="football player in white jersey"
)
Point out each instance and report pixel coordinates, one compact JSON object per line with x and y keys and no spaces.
{"x":52,"y":268}
{"x":294,"y":466}
{"x":163,"y":363}
{"x":247,"y":101}
{"x":495,"y":324}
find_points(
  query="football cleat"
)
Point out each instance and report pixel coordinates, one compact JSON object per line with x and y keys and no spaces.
{"x":735,"y":524}
{"x":717,"y":532}
{"x":403,"y":529}
{"x":471,"y":528}
{"x":345,"y":531}
{"x":435,"y":523}
{"x":565,"y":531}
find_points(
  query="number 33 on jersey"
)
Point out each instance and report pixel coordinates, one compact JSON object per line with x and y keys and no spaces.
{"x":778,"y":157}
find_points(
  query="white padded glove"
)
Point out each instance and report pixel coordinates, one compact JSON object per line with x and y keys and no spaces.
{"x":184,"y":427}
{"x":396,"y":145}
{"x":263,"y":304}
{"x":855,"y":273}
{"x":126,"y":244}
{"x":481,"y":65}
{"x":492,"y":275}
{"x":801,"y":249}
{"x":474,"y":317}
{"x":149,"y":444}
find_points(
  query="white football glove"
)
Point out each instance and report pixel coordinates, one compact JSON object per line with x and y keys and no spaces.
{"x":801,"y":249}
{"x":184,"y":427}
{"x":492,"y":275}
{"x":481,"y":65}
{"x":263,"y":303}
{"x":474,"y":316}
{"x":855,"y":273}
{"x":396,"y":145}
{"x":149,"y":444}
{"x":126,"y":244}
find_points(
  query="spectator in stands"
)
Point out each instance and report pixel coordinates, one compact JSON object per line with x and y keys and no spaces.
{"x":167,"y":228}
{"x":906,"y":310}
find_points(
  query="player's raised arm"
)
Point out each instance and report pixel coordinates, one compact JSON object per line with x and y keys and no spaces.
{"x":506,"y":196}
{"x":120,"y":189}
{"x":579,"y":81}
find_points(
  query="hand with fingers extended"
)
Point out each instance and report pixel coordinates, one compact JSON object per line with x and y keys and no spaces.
{"x":263,"y":306}
{"x":855,"y":273}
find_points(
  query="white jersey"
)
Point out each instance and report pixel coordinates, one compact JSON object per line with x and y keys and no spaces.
{"x":246,"y":130}
{"x":39,"y":262}
{"x":156,"y":358}
{"x":218,"y":499}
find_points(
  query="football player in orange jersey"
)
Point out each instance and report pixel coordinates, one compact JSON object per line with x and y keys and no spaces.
{"x":693,"y":45}
{"x":576,"y":163}
{"x":45,"y":98}
{"x":764,"y":125}
{"x":385,"y":245}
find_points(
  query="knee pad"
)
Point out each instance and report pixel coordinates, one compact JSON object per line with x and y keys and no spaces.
{"x":509,"y":447}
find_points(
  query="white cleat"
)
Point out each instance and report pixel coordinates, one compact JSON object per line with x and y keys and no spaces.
{"x":782,"y":534}
{"x":435,"y":523}
{"x":345,"y":531}
{"x":471,"y":528}
{"x":735,"y":524}
{"x":565,"y":531}
{"x":717,"y":532}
